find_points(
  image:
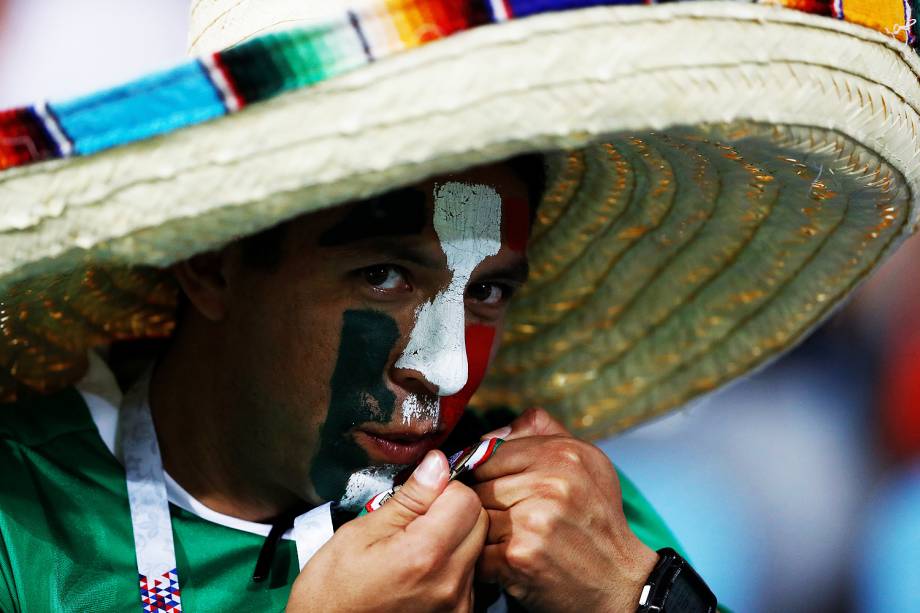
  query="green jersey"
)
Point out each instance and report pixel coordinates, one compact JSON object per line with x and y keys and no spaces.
{"x":66,"y":539}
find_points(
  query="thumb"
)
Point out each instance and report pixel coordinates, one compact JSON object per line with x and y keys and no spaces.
{"x":418,"y":493}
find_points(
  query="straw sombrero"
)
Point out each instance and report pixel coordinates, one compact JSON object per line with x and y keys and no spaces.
{"x":721,"y":175}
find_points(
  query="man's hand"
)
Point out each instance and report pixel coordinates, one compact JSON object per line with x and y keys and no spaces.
{"x":558,"y":539}
{"x":416,"y":553}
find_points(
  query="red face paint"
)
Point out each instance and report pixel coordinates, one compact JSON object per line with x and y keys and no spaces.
{"x":479,"y":341}
{"x":515,"y":223}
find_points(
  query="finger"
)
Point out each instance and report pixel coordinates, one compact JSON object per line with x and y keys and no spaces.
{"x":449,"y":521}
{"x":416,"y":497}
{"x":463,"y":559}
{"x":511,"y":458}
{"x":532,"y":422}
{"x":499,"y":527}
{"x":502,"y":493}
{"x":466,"y":591}
{"x":468,"y":550}
{"x":492,"y":566}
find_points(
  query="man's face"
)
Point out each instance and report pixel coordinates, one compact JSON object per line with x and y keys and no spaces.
{"x":359,"y":353}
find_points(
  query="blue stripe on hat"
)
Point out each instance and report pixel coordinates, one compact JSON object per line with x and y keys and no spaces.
{"x":147,"y":107}
{"x":523,"y":8}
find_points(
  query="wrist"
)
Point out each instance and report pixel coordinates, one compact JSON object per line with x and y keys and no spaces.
{"x":632,"y":576}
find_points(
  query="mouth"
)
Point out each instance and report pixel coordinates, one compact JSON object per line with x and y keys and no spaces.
{"x":397,"y":446}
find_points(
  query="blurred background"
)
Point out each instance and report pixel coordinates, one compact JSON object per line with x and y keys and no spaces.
{"x":797,"y":489}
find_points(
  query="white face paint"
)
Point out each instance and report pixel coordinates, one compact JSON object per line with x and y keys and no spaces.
{"x":367,"y":483}
{"x":467,"y":219}
{"x":416,"y":408}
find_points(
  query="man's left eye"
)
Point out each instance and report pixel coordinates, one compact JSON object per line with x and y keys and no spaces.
{"x":488,"y":293}
{"x":385,"y":277}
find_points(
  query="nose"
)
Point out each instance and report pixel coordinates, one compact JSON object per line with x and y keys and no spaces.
{"x":437,"y":345}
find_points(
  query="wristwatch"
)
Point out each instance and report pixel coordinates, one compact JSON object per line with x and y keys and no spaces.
{"x":675,"y":587}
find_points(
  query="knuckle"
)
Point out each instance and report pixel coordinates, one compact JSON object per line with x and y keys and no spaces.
{"x":540,"y":523}
{"x":565,"y":453}
{"x":517,"y":591}
{"x":408,"y":498}
{"x":425,"y":559}
{"x":594,"y":454}
{"x":448,"y":592}
{"x":556,"y":488}
{"x":541,"y":418}
{"x":522,"y":556}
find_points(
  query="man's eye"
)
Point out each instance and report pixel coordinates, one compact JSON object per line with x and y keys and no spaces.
{"x":488,"y":293}
{"x":386,"y":277}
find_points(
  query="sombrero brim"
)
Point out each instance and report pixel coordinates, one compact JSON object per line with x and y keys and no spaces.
{"x":727,"y":174}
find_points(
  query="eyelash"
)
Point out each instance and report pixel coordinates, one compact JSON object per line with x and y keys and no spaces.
{"x":372,"y":276}
{"x":371,"y":271}
{"x":505,"y":292}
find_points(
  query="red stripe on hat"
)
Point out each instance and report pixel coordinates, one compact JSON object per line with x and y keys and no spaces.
{"x":24,"y":139}
{"x":222,"y":67}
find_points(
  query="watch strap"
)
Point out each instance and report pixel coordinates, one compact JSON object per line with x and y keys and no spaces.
{"x":674,"y":586}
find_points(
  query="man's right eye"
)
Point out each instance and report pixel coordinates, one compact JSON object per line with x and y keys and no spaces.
{"x":386,"y":277}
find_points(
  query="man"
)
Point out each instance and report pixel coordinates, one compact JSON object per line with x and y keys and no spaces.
{"x":310,"y":367}
{"x":352,"y":353}
{"x":341,"y":345}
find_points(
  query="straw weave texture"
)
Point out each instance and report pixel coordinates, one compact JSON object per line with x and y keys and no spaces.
{"x":667,"y":259}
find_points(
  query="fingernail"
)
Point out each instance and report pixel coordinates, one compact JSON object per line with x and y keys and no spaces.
{"x":429,"y":471}
{"x":500,"y":433}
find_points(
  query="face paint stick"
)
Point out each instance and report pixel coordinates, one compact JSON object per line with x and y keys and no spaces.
{"x":460,"y":463}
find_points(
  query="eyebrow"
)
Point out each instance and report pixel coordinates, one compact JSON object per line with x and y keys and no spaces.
{"x":392,"y":248}
{"x":397,"y":213}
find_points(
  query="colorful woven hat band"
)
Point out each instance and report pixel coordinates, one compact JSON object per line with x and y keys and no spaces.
{"x":226,"y":81}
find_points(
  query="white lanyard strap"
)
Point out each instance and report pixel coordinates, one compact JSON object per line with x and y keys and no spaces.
{"x":153,"y":538}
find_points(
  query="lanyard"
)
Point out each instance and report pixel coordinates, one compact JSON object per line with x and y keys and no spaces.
{"x":139,"y":452}
{"x":153,"y":539}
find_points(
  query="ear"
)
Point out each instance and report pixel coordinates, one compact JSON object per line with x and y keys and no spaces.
{"x":203,"y":278}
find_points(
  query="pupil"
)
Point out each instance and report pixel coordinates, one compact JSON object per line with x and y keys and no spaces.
{"x":481,"y":291}
{"x":376,"y":276}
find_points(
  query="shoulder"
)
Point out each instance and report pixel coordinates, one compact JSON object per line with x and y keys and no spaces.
{"x":52,"y":455}
{"x":39,"y":420}
{"x":63,"y":505}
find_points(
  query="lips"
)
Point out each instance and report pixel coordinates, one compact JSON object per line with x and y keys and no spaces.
{"x":396,"y":447}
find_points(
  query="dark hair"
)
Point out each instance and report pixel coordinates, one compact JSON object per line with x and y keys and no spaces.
{"x":264,"y":249}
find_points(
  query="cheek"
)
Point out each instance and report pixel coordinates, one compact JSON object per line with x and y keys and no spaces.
{"x":479,"y":340}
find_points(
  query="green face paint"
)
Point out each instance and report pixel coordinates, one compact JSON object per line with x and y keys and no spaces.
{"x":358,"y":395}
